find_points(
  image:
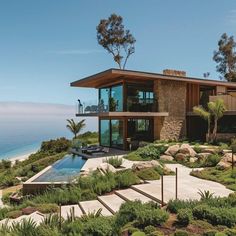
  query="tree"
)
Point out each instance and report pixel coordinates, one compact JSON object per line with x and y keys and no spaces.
{"x":225,"y":57}
{"x":215,"y":111}
{"x":75,"y":127}
{"x":206,"y":115}
{"x":118,"y":41}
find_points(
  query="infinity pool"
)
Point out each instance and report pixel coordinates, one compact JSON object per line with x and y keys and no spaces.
{"x":63,"y":170}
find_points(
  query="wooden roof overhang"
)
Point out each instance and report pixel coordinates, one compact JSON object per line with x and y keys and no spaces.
{"x":114,"y":76}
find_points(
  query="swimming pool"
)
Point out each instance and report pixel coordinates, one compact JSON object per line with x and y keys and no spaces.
{"x":63,"y":170}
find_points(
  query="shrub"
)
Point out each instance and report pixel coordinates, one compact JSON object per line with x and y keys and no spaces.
{"x":148,"y":174}
{"x":181,"y":233}
{"x":98,"y":226}
{"x":138,"y":233}
{"x":151,"y":151}
{"x":47,"y":208}
{"x":216,"y":216}
{"x":126,"y":178}
{"x":211,"y":232}
{"x":14,"y":214}
{"x":230,"y":232}
{"x":143,"y":214}
{"x":175,"y":205}
{"x":184,"y":216}
{"x":114,"y":161}
{"x":220,"y":234}
{"x":212,"y":160}
{"x":149,"y":229}
{"x":233,"y":173}
{"x":197,"y":148}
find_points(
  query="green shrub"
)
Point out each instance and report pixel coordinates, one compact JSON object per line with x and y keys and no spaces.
{"x":72,"y":228}
{"x":114,"y":161}
{"x":230,"y":232}
{"x":13,"y":214}
{"x":149,"y":229}
{"x":47,"y":208}
{"x":151,"y":151}
{"x":143,"y":214}
{"x":212,"y":160}
{"x":181,"y":233}
{"x":125,"y":179}
{"x":220,"y":234}
{"x":216,"y":216}
{"x":211,"y":232}
{"x":175,"y":205}
{"x":233,"y":173}
{"x":98,"y":226}
{"x":138,"y":233}
{"x":184,"y":216}
{"x":148,"y":174}
{"x":197,"y":148}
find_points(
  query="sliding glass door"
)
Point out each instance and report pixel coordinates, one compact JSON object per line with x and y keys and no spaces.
{"x":105,"y":132}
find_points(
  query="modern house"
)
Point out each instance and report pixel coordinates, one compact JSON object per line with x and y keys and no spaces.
{"x":136,"y":106}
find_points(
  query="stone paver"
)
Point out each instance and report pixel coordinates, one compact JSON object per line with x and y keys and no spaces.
{"x":112,"y":202}
{"x":93,"y":206}
{"x":66,"y":211}
{"x":188,"y":186}
{"x":132,"y":195}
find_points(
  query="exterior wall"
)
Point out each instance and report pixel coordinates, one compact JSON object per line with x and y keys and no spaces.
{"x":171,"y":98}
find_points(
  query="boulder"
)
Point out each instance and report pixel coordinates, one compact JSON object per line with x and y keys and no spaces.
{"x":203,"y":155}
{"x":181,"y":157}
{"x":187,"y":149}
{"x":145,"y":164}
{"x":228,"y":158}
{"x":172,"y":150}
{"x":193,"y":159}
{"x":166,"y":158}
{"x":105,"y":167}
{"x":223,"y":165}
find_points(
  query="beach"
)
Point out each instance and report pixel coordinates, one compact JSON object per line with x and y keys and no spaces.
{"x":20,"y":157}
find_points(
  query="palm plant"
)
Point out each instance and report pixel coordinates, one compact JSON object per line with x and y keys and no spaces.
{"x":206,"y":115}
{"x":75,"y":127}
{"x":217,"y":110}
{"x":27,"y":227}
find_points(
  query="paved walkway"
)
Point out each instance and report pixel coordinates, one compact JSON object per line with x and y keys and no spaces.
{"x":188,"y":188}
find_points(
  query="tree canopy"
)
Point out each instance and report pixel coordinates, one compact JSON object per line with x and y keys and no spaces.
{"x":112,"y":35}
{"x":225,"y":58}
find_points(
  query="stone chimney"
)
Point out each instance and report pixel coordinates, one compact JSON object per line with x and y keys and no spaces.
{"x":174,"y":72}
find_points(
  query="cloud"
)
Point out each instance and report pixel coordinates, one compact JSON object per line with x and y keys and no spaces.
{"x":231,"y":17}
{"x":76,"y":51}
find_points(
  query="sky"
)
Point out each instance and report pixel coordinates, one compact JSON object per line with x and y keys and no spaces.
{"x":45,"y":45}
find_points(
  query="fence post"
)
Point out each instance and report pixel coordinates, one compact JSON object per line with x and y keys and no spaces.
{"x":60,"y":216}
{"x":162,"y":191}
{"x":176,"y":183}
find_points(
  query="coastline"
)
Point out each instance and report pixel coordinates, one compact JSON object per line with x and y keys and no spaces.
{"x":20,"y":157}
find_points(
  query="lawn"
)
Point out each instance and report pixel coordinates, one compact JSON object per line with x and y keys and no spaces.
{"x":226,"y":177}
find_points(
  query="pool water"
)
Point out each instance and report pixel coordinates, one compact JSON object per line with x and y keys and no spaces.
{"x":63,"y":170}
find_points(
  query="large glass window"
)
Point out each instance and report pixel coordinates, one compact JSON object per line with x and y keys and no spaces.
{"x":116,"y":99}
{"x":117,"y":139}
{"x":105,"y":132}
{"x":140,"y":98}
{"x":104,"y":99}
{"x":111,"y":99}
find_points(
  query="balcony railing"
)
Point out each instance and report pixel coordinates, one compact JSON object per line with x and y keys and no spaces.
{"x":229,"y":101}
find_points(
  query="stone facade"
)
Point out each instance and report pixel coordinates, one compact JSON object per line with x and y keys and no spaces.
{"x":171,"y":97}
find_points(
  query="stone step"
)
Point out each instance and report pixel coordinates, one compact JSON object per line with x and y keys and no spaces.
{"x":132,"y":195}
{"x":111,"y":202}
{"x":93,"y":206}
{"x":66,"y":211}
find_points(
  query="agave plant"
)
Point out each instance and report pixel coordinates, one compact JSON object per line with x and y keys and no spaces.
{"x":27,"y":227}
{"x":52,"y":220}
{"x":206,"y":194}
{"x":5,"y":229}
{"x":92,"y":215}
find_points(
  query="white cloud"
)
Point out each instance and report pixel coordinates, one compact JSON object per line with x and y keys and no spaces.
{"x":75,"y":51}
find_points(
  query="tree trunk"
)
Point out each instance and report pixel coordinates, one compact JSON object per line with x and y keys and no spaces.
{"x":215,"y":129}
{"x":208,"y":130}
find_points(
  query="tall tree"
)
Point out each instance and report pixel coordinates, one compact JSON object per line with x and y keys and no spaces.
{"x":118,"y":41}
{"x":225,"y":58}
{"x":75,"y":127}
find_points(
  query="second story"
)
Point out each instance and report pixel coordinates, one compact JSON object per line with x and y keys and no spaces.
{"x":128,"y":93}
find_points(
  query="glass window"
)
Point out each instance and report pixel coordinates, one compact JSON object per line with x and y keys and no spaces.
{"x":117,"y":139}
{"x":142,"y":125}
{"x":105,"y":132}
{"x":116,"y":100}
{"x":104,"y":99}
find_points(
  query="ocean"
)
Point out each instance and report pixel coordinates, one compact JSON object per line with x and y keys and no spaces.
{"x":23,"y":126}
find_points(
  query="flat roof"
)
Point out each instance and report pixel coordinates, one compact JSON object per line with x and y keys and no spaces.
{"x":117,"y":75}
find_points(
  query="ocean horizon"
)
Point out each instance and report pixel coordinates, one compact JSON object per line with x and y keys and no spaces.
{"x":24,"y":126}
